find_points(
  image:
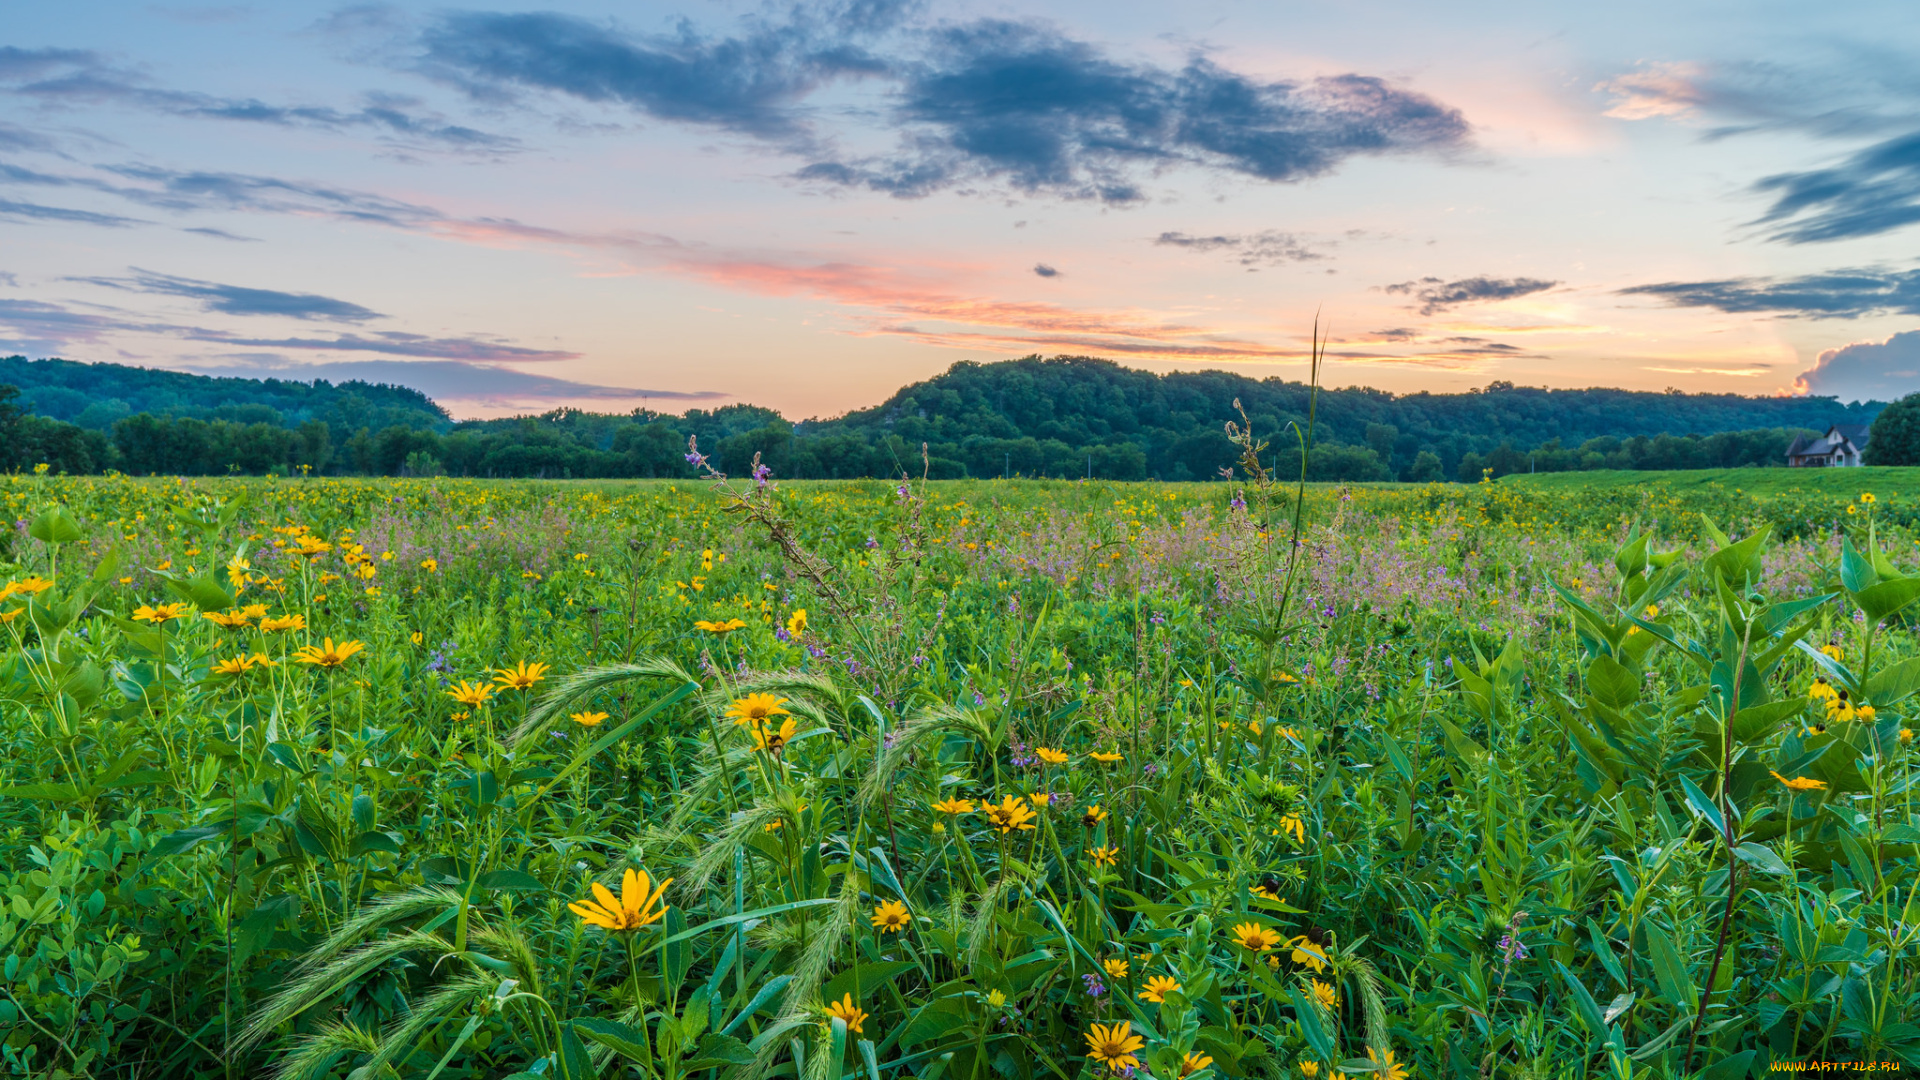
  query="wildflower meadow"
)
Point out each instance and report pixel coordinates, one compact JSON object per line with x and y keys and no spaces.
{"x":954,"y":780}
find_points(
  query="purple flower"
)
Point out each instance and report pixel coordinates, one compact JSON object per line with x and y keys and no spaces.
{"x":872,"y":543}
{"x":1238,"y":503}
{"x":979,"y":698}
{"x":760,"y":474}
{"x":1095,"y":988}
{"x":780,"y":634}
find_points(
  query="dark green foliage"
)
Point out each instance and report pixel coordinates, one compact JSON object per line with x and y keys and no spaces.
{"x":1894,"y":438}
{"x":1066,"y":417}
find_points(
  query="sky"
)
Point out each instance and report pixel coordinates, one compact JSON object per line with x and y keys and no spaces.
{"x":809,"y":205}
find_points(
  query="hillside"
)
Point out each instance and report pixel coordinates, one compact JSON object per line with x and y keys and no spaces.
{"x":1061,"y":417}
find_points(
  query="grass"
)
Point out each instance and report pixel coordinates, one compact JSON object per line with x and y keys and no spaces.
{"x":1581,"y":775}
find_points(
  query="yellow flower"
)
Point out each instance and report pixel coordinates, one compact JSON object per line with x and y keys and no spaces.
{"x":1311,"y":1069}
{"x":1009,"y":814}
{"x":1306,"y":952}
{"x":1385,"y":1067}
{"x":891,"y":917}
{"x":254,"y":611}
{"x":430,"y":565}
{"x":1105,"y":758}
{"x":1324,"y":993}
{"x":471,"y":694}
{"x":1116,"y":968}
{"x":1293,"y":826}
{"x":328,"y":655}
{"x":9,"y":616}
{"x":310,"y":545}
{"x":774,"y":741}
{"x":1253,"y":936}
{"x":284,"y":622}
{"x":1906,"y":735}
{"x":226,"y":620}
{"x":1092,"y":815}
{"x":1268,"y":887}
{"x":847,"y":1011}
{"x":31,"y":585}
{"x":727,"y":627}
{"x":521,"y":676}
{"x":1158,"y":987}
{"x":634,"y":908}
{"x":756,"y":709}
{"x":1041,"y":798}
{"x":954,"y":806}
{"x":416,"y":637}
{"x":797,"y":624}
{"x":161,"y":614}
{"x":1864,"y":714}
{"x":240,"y":665}
{"x":1867,"y":497}
{"x":706,"y":559}
{"x":1832,"y":651}
{"x":1101,"y":856}
{"x":587,"y":719}
{"x":1050,"y":755}
{"x":1114,"y":1046}
{"x":996,"y":998}
{"x":1192,"y":1063}
{"x":1800,"y":783}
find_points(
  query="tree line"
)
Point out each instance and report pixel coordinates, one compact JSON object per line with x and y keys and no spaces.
{"x":1058,"y":417}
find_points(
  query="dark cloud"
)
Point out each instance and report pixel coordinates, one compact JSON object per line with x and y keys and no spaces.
{"x":1398,"y":333}
{"x":750,"y":83}
{"x":1866,"y":370}
{"x":1044,"y":270}
{"x":451,"y":380}
{"x":1436,"y":295}
{"x":1267,"y":247}
{"x":9,"y":280}
{"x":397,"y":344}
{"x":73,"y":76}
{"x":34,"y":326}
{"x":239,"y":299}
{"x":1048,"y":114}
{"x":991,"y":100}
{"x":1839,"y":294}
{"x":1873,"y":191}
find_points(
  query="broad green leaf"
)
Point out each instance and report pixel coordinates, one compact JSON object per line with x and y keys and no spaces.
{"x":1856,"y":570}
{"x":1879,"y":601}
{"x":1894,"y":683}
{"x":1670,"y":971}
{"x":1703,"y":806}
{"x":1762,"y":859}
{"x":55,"y":526}
{"x":628,"y":1042}
{"x":1612,"y":683}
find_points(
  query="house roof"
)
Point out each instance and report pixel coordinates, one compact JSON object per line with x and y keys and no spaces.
{"x":1854,"y":433}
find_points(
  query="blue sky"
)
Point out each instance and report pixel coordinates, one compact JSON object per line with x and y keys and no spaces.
{"x":808,"y":205}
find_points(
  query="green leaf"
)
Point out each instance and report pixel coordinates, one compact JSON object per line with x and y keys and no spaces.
{"x":1609,"y":681}
{"x":1731,"y":1067}
{"x":1894,"y":683}
{"x":618,"y":733}
{"x":1670,"y":971}
{"x":1704,"y":806}
{"x":628,"y":1042}
{"x":55,"y":526}
{"x":870,"y":976}
{"x":511,"y":880}
{"x":760,"y":998}
{"x":182,"y":839}
{"x":1856,"y":571}
{"x":1739,"y":562}
{"x":373,"y":841}
{"x":718,"y":1051}
{"x":1463,"y":748}
{"x":1879,"y":601}
{"x":1757,"y":722}
{"x":1762,"y":859}
{"x":202,"y":592}
{"x":1584,"y":1005}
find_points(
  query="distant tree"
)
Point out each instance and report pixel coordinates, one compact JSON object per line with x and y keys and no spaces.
{"x":1425,"y":469}
{"x":1894,"y":438}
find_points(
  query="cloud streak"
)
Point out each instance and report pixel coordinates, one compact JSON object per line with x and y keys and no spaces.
{"x":1873,"y":191}
{"x":70,"y":77}
{"x":1435,"y":295}
{"x":1838,"y":294}
{"x":1269,"y":247}
{"x":240,"y":300}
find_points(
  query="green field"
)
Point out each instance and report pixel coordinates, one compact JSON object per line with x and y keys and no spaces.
{"x":1576,"y":775}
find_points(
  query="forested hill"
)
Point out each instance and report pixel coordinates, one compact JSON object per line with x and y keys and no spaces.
{"x":1066,"y":416}
{"x":96,"y":395}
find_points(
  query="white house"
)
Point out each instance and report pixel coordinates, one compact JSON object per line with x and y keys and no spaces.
{"x":1841,"y":445}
